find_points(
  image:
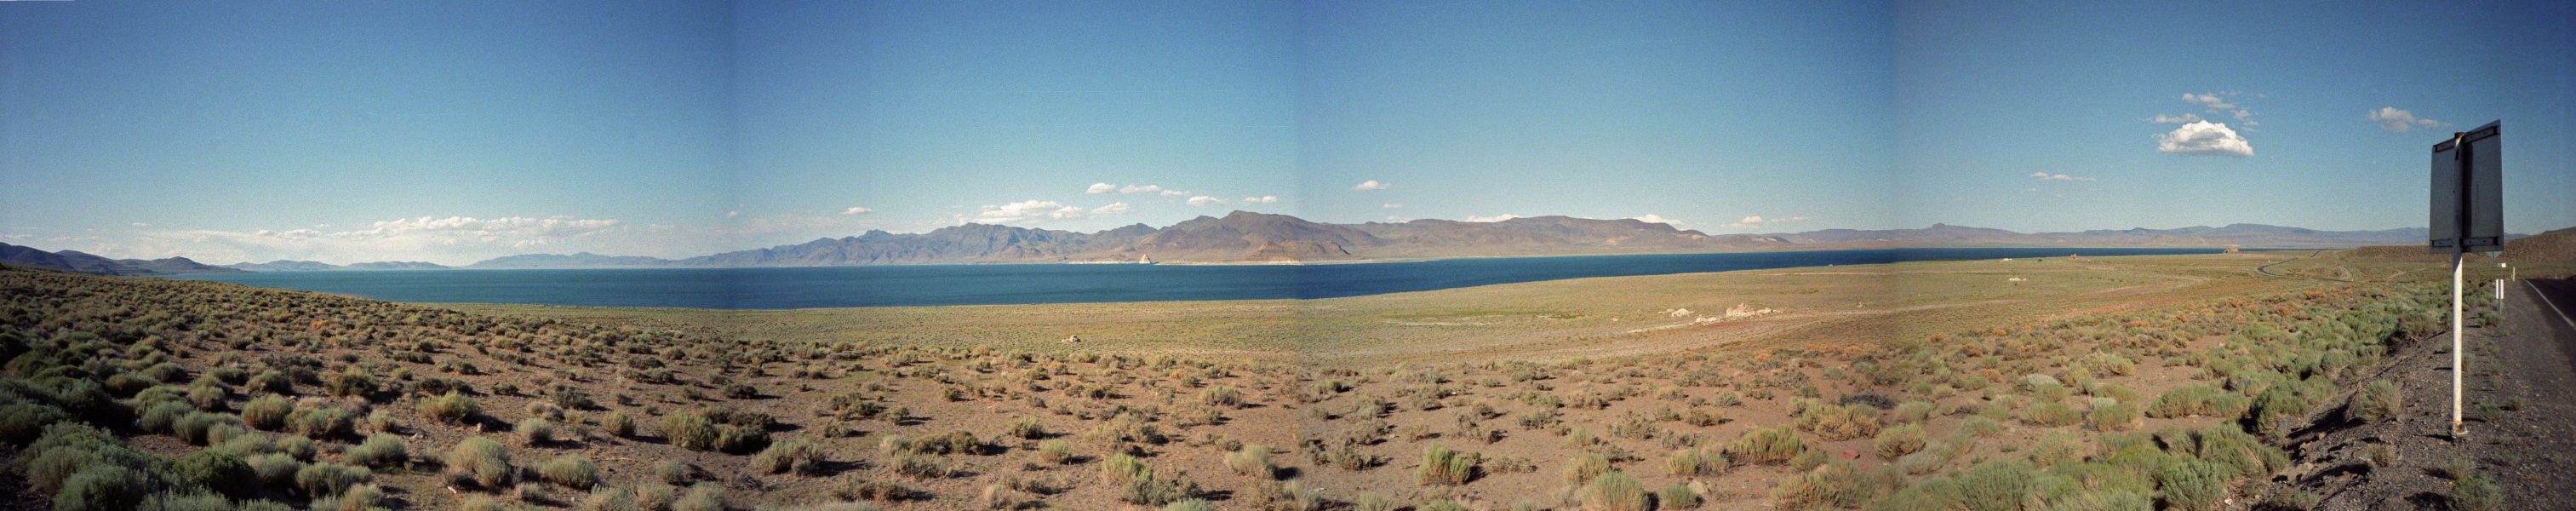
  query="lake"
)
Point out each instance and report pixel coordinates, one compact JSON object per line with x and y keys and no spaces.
{"x":994,"y":284}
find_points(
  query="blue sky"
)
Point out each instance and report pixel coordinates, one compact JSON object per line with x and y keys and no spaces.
{"x":457,"y":131}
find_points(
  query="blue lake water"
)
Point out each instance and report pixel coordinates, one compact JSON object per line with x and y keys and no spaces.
{"x":991,"y":284}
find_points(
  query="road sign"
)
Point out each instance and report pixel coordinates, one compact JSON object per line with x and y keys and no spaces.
{"x":2468,"y":192}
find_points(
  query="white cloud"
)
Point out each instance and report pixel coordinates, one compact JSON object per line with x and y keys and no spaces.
{"x":1206,"y":200}
{"x":854,"y":210}
{"x":731,"y":214}
{"x":2185,"y":118}
{"x":2204,"y":138}
{"x":1265,"y":199}
{"x":1112,"y":209}
{"x":1110,"y":188}
{"x":1025,"y":211}
{"x":1390,"y":205}
{"x":1372,"y":185}
{"x":141,"y":224}
{"x":2044,"y":176}
{"x":2211,"y":101}
{"x":2398,"y":121}
{"x":1750,"y":222}
{"x":1655,"y":219}
{"x":1495,"y":218}
{"x":1174,"y":193}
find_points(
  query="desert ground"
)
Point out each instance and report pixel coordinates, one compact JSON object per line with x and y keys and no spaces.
{"x":2149,"y":382}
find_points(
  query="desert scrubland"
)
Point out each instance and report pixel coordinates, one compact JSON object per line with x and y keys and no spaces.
{"x":2152,"y":382}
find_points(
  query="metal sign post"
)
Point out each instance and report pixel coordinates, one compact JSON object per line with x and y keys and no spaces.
{"x":2467,"y":216}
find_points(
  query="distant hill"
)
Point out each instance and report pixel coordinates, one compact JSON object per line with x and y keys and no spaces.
{"x":75,"y":261}
{"x":286,"y":265}
{"x":579,"y":260}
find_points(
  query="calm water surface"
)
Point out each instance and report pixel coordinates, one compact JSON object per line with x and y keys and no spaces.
{"x":990,"y":284}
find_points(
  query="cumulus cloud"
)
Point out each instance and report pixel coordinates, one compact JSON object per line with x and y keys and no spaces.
{"x":2204,"y":138}
{"x":1140,"y":188}
{"x":1025,"y":211}
{"x":1495,"y":218}
{"x":2164,"y":119}
{"x":1390,"y":205}
{"x":1174,"y":193}
{"x":1655,"y":219}
{"x":2398,"y":121}
{"x":1206,"y":200}
{"x":855,"y":210}
{"x":1101,"y":188}
{"x":1112,"y":209}
{"x":1265,"y":199}
{"x":2044,"y":176}
{"x":731,"y":214}
{"x":1372,"y":185}
{"x":141,"y":224}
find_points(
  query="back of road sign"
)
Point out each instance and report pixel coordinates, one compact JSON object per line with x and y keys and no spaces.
{"x":2468,"y":192}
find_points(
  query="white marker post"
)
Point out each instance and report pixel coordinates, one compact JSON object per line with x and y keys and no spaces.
{"x":2467,"y":216}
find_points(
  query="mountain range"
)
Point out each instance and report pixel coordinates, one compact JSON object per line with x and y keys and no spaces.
{"x":1248,"y":237}
{"x":76,"y":261}
{"x":1244,"y":237}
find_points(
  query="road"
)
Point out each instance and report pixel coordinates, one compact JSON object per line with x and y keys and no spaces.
{"x":2554,"y":300}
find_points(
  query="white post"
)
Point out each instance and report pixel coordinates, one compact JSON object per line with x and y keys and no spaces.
{"x":2458,"y":429}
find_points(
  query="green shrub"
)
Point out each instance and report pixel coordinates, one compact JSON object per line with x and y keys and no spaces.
{"x":537,"y":431}
{"x":1028,"y":428}
{"x":2476,"y":493}
{"x":195,"y":426}
{"x":483,"y":461}
{"x":178,"y":500}
{"x":1835,"y":485}
{"x":1696,"y":461}
{"x":612,"y":499}
{"x":323,"y":423}
{"x":1583,"y":467}
{"x":1997,"y":486}
{"x":162,"y":417}
{"x":620,"y":423}
{"x":104,"y":488}
{"x":701,"y":497}
{"x":799,"y":456}
{"x":1056,"y":451}
{"x":1442,"y":466}
{"x":1202,"y":505}
{"x":328,"y":478}
{"x":354,"y":381}
{"x":1768,"y":446}
{"x":275,"y":469}
{"x":2052,"y":414}
{"x":361,"y":497}
{"x":1615,"y":491}
{"x":1222,"y":396}
{"x":1899,"y":441}
{"x":2192,"y":485}
{"x":216,"y":470}
{"x":1915,"y":412}
{"x":267,"y":412}
{"x":675,"y":472}
{"x":572,"y":471}
{"x":2376,"y":401}
{"x":1837,"y":423}
{"x":451,"y":407}
{"x":1251,"y":460}
{"x":22,"y":422}
{"x":2112,"y":417}
{"x":1676,"y":496}
{"x":692,"y":430}
{"x":380,"y":450}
